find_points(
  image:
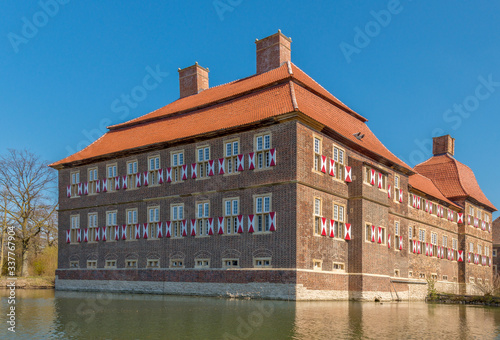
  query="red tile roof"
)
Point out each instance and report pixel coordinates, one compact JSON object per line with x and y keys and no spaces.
{"x":453,"y":178}
{"x":425,"y":185}
{"x":282,"y":90}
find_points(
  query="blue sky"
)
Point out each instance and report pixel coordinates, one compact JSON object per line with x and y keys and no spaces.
{"x":413,"y":69}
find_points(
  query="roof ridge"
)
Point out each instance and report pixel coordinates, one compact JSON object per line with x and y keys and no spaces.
{"x":454,"y":161}
{"x":138,"y":120}
{"x":293,"y":97}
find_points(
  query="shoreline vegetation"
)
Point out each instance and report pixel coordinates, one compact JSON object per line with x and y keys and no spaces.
{"x":486,"y":300}
{"x":33,"y":282}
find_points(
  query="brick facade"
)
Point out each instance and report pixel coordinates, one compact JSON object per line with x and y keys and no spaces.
{"x":315,"y":266}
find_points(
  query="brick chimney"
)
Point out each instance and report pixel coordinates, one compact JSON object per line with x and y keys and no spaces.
{"x":272,"y":52}
{"x":193,"y":80}
{"x":443,"y":144}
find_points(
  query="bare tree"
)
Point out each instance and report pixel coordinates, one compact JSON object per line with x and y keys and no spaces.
{"x":27,"y":187}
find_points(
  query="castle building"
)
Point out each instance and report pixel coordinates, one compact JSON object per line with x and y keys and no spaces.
{"x":268,"y":187}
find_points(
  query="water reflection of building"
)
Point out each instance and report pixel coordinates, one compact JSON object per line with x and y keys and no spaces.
{"x":270,"y":187}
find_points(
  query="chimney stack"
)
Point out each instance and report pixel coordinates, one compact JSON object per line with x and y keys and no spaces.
{"x":193,"y":80}
{"x":442,"y":145}
{"x":272,"y":52}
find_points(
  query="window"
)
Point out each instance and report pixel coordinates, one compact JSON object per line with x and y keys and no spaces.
{"x":202,"y":158}
{"x":92,"y":264}
{"x":317,"y":265}
{"x":434,"y":276}
{"x":396,"y":188}
{"x":202,"y":214}
{"x":479,"y":249}
{"x":396,"y":272}
{"x":445,"y":277}
{"x":410,"y":238}
{"x":110,"y":264}
{"x":478,"y":214}
{"x":396,"y":228}
{"x":494,"y":252}
{"x":486,"y":217}
{"x":92,"y":179}
{"x":410,"y":274}
{"x":339,"y":220}
{"x":368,"y":232}
{"x":176,"y":263}
{"x":230,"y":263}
{"x":384,"y":235}
{"x":177,"y":214}
{"x":177,"y":162}
{"x":73,"y":264}
{"x":434,"y":238}
{"x":262,"y":207}
{"x":202,"y":263}
{"x":421,"y":238}
{"x":471,"y":211}
{"x":153,"y":263}
{"x":339,"y":158}
{"x":262,"y":146}
{"x":317,"y":154}
{"x":153,"y":222}
{"x":154,"y":166}
{"x":454,"y":245}
{"x":130,"y":263}
{"x":338,"y":266}
{"x":75,"y":180}
{"x":445,"y":241}
{"x":231,"y":150}
{"x":262,"y":262}
{"x":317,"y":216}
{"x":486,"y":251}
{"x":131,"y":222}
{"x":131,"y":174}
{"x":93,"y":228}
{"x":471,"y":247}
{"x":75,"y":228}
{"x":422,"y":276}
{"x":231,"y":211}
{"x":471,"y":280}
{"x":110,"y":223}
{"x":111,"y":173}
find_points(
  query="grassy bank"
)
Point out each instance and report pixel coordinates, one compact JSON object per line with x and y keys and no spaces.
{"x":30,"y":282}
{"x":486,"y":300}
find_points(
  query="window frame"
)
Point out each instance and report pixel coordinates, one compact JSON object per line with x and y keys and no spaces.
{"x":225,"y":266}
{"x":255,"y":261}
{"x":317,"y":218}
{"x":231,"y":220}
{"x":230,"y":161}
{"x":339,"y":167}
{"x":177,"y":169}
{"x":111,"y":180}
{"x":202,"y":165}
{"x":92,"y":184}
{"x":153,"y":225}
{"x":203,"y":218}
{"x":264,"y":215}
{"x":177,"y":222}
{"x":317,"y":155}
{"x":132,"y":175}
{"x":262,"y":156}
{"x":153,"y":176}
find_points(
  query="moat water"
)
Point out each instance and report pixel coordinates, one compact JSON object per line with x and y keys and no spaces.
{"x":45,"y":314}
